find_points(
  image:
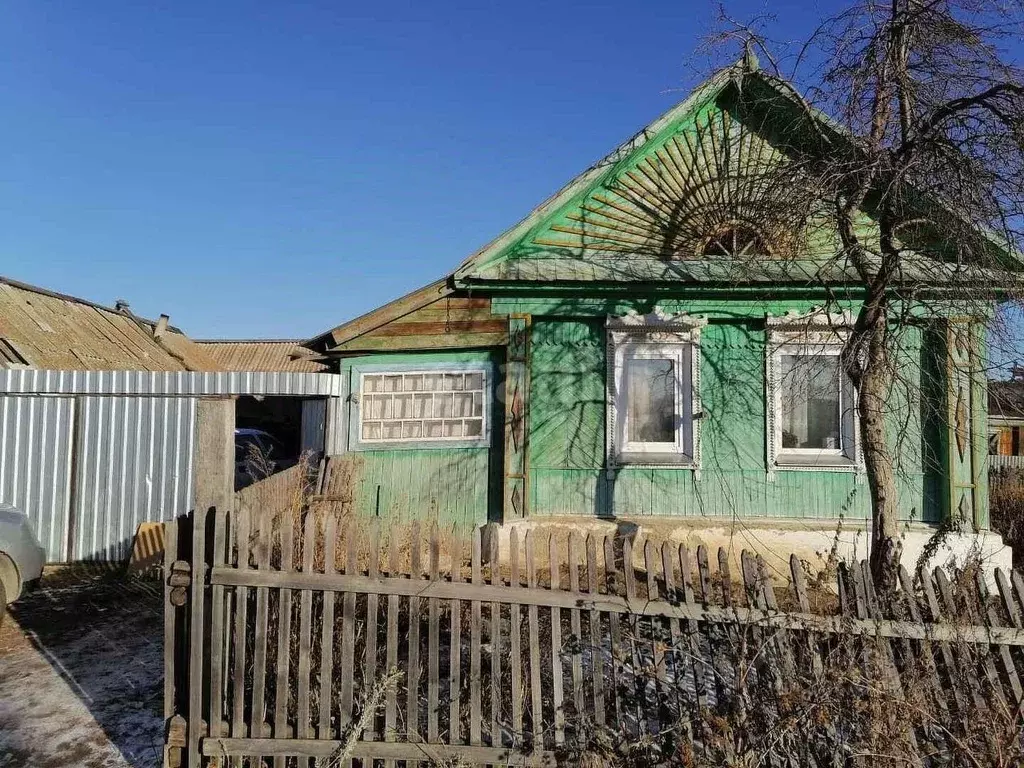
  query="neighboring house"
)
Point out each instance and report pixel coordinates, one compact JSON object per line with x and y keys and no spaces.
{"x":262,"y":355}
{"x":98,"y":417}
{"x":1006,"y":421}
{"x":631,"y":352}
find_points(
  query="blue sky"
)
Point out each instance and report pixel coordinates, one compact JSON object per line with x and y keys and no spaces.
{"x":268,"y":169}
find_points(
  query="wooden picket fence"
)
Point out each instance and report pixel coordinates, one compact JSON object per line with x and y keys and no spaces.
{"x":282,"y":632}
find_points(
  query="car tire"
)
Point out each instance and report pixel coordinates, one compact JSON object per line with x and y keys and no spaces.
{"x":3,"y":601}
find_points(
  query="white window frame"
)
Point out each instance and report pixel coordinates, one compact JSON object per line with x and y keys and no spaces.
{"x":815,"y":333}
{"x":359,"y":443}
{"x":657,"y":336}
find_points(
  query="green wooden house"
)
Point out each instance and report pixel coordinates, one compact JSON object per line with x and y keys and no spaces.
{"x":654,"y":346}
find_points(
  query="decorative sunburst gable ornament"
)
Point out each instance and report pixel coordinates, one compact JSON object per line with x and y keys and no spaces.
{"x":693,"y":196}
{"x":711,"y":190}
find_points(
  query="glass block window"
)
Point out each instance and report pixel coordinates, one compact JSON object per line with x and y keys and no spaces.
{"x":427,"y":406}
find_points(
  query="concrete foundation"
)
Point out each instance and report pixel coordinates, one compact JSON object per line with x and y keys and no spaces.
{"x":818,"y":543}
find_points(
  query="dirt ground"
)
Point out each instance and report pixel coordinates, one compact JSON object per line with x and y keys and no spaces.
{"x":81,"y":674}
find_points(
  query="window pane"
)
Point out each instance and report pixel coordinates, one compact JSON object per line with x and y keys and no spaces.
{"x":650,"y":393}
{"x":463,"y":404}
{"x":811,"y":402}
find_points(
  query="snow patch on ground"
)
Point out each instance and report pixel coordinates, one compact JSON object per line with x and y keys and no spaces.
{"x":81,"y":675}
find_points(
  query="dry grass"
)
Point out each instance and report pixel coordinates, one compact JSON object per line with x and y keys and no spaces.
{"x":1006,"y":509}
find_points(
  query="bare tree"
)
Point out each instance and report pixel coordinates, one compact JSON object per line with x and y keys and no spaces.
{"x":914,"y":121}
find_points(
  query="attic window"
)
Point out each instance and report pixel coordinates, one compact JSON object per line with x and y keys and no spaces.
{"x":736,"y":241}
{"x":10,"y":357}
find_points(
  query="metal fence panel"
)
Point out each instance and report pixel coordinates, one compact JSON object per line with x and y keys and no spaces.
{"x":134,"y":464}
{"x":35,"y":461}
{"x":169,"y":383}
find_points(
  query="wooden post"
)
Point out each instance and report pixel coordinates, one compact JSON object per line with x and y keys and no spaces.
{"x":214,"y":456}
{"x":214,"y":487}
{"x":965,"y":497}
{"x":517,"y":421}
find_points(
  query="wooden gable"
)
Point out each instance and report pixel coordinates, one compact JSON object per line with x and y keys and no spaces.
{"x":647,"y":212}
{"x":433,"y":317}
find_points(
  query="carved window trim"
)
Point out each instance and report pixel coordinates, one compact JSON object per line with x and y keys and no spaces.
{"x":815,"y":332}
{"x":675,"y":337}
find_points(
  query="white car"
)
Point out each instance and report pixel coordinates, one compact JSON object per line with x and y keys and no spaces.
{"x":21,"y":557}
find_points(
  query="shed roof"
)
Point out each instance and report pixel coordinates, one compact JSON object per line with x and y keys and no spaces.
{"x":48,"y":330}
{"x":288,"y":355}
{"x":1006,"y":399}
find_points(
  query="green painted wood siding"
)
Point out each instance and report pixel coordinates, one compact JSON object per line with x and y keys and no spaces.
{"x":567,"y":437}
{"x":453,"y":487}
{"x":444,"y":486}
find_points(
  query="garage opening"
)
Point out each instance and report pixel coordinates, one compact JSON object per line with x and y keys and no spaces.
{"x":272,"y":432}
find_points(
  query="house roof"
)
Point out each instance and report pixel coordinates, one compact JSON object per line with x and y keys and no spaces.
{"x":288,"y":355}
{"x":48,"y":330}
{"x":380,"y":316}
{"x":1006,"y":399}
{"x":647,"y":212}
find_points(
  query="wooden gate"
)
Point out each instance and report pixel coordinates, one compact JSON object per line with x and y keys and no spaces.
{"x":305,"y":639}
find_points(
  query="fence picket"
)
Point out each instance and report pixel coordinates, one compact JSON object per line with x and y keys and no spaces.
{"x":259,"y":727}
{"x":533,"y":618}
{"x":455,"y":648}
{"x":657,"y":644}
{"x":475,"y":706}
{"x":330,"y":528}
{"x":636,"y":688}
{"x":241,"y":531}
{"x":575,"y":626}
{"x":391,"y":651}
{"x":1005,"y":660}
{"x":669,"y":556}
{"x":596,"y":638}
{"x":698,"y":666}
{"x":412,"y":710}
{"x":948,"y":660}
{"x":612,"y":587}
{"x":305,"y":629}
{"x":557,"y":693}
{"x":197,"y":596}
{"x":704,"y":575}
{"x":372,"y":609}
{"x":796,"y":572}
{"x":924,"y":649}
{"x":433,"y":643}
{"x":494,"y":573}
{"x":217,"y":626}
{"x":348,"y":630}
{"x":284,"y":632}
{"x":515,"y":659}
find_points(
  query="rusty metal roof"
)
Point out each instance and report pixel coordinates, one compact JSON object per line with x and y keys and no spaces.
{"x":44,"y":329}
{"x":286,"y":355}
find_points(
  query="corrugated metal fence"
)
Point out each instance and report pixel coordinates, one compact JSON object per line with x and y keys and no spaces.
{"x":89,"y":455}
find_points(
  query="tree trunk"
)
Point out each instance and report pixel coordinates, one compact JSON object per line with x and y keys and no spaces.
{"x":885,"y":553}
